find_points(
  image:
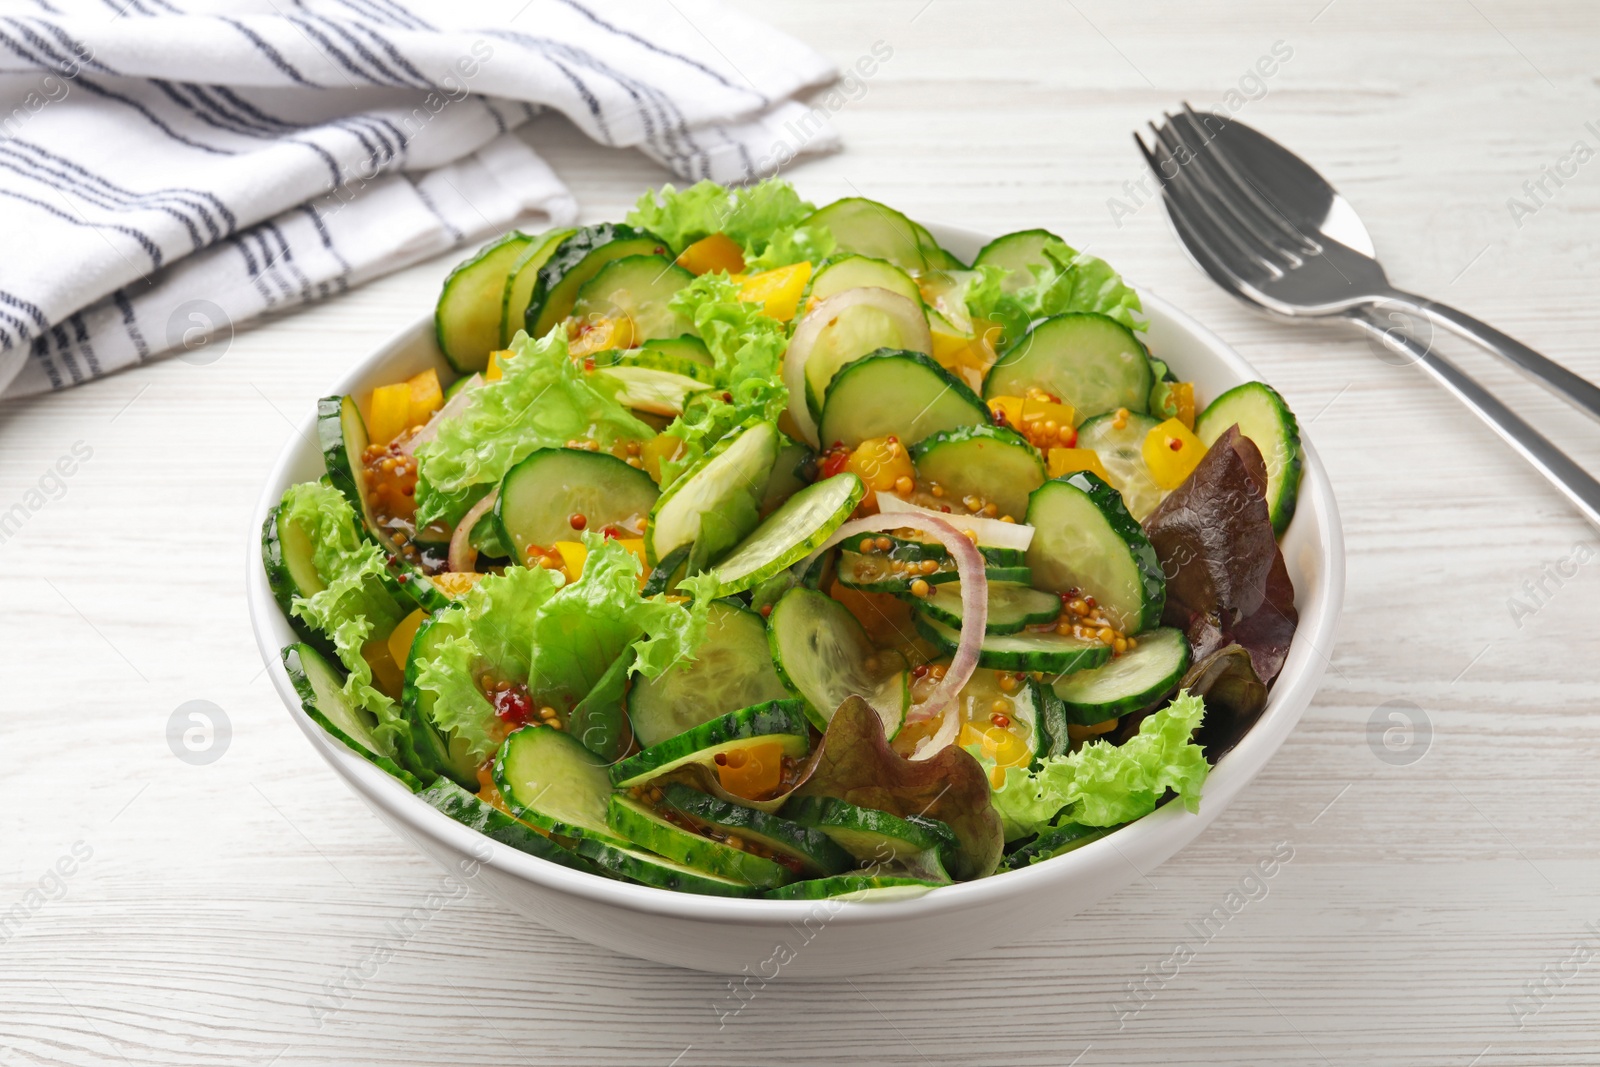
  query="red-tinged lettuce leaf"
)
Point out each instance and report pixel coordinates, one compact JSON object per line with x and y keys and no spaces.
{"x":1235,"y":698}
{"x":1226,"y":579}
{"x":855,"y":763}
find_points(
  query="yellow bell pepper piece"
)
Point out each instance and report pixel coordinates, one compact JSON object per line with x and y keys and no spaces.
{"x":390,"y":412}
{"x":777,"y":291}
{"x":402,"y":636}
{"x":493,"y":372}
{"x":1183,"y":396}
{"x":574,"y":555}
{"x":1067,"y":460}
{"x":968,"y":358}
{"x":602,"y":335}
{"x":1171,"y":451}
{"x":753,"y":772}
{"x":455,"y":584}
{"x":426,"y":396}
{"x":714,"y":253}
{"x":662,"y":446}
{"x":1002,"y":746}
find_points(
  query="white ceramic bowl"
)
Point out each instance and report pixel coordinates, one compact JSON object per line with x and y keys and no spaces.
{"x":764,"y":939}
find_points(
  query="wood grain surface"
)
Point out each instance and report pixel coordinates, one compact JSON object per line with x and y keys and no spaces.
{"x":232,"y":913}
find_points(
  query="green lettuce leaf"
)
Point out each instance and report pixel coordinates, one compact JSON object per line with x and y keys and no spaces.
{"x":356,"y":604}
{"x":763,"y":219}
{"x":748,"y":348}
{"x":1068,"y":280}
{"x":543,"y":400}
{"x":1104,"y":784}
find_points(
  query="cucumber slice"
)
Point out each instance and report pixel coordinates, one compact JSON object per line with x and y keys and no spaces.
{"x":540,"y":496}
{"x":870,"y":835}
{"x":1056,"y":841}
{"x":1012,"y":608}
{"x":1045,"y":651}
{"x":870,"y":574}
{"x":640,"y":287}
{"x":732,"y":669}
{"x":905,"y":394}
{"x":550,"y":780}
{"x":520,"y":282}
{"x":658,"y":871}
{"x":287,"y":551}
{"x":945,"y":292}
{"x":441,"y":753}
{"x":715,"y":505}
{"x":466,"y":321}
{"x":909,"y":549}
{"x":934,"y":254}
{"x":855,"y":272}
{"x":860,"y":888}
{"x":793,"y":471}
{"x":780,"y":721}
{"x":1088,"y":360}
{"x":871,"y":229}
{"x":878,"y":320}
{"x":686,"y":346}
{"x":653,"y":381}
{"x":668,"y":573}
{"x":1131,"y":682}
{"x":798,"y":528}
{"x":1016,"y":252}
{"x":809,"y":852}
{"x":638,"y":824}
{"x":822,"y":652}
{"x":321,"y":692}
{"x":1261,"y":415}
{"x":574,"y":261}
{"x":989,"y":462}
{"x":1085,"y":540}
{"x":1049,"y":718}
{"x":1121,"y":452}
{"x":466,"y":809}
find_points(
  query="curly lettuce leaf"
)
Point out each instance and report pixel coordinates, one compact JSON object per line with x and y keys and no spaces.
{"x":1104,"y":784}
{"x":542,"y":400}
{"x":1067,"y":280}
{"x":355,"y":605}
{"x":747,"y":347}
{"x":763,"y":219}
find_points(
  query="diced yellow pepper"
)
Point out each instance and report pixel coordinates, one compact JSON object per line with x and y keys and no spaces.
{"x":968,"y":358}
{"x":601,"y":335}
{"x":1047,"y":424}
{"x":1171,"y":451}
{"x":454,"y":584}
{"x":1002,"y":746}
{"x":752,"y":772}
{"x":636,"y":546}
{"x":1183,"y":396}
{"x":573,"y":554}
{"x":1067,"y":460}
{"x":402,"y":636}
{"x":390,"y":412}
{"x":493,"y":373}
{"x":714,"y":253}
{"x":662,"y":446}
{"x":426,"y":396}
{"x":387,"y":675}
{"x":777,"y":291}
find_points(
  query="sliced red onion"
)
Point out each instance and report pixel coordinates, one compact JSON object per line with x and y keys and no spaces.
{"x":907,"y":316}
{"x":430,"y":429}
{"x":943,"y":737}
{"x":991,"y":532}
{"x":463,"y":557}
{"x":974,"y":614}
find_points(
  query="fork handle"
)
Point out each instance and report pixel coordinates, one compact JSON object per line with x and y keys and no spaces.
{"x":1578,"y":391}
{"x":1557,"y":467}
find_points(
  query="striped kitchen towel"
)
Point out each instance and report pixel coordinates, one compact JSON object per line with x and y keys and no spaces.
{"x":170,"y":169}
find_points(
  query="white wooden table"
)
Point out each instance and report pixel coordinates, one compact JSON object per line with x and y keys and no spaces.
{"x":211,"y":909}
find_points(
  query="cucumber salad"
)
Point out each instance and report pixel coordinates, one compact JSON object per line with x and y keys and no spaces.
{"x":754,"y":549}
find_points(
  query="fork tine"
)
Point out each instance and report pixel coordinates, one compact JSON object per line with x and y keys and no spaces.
{"x":1222,"y":231}
{"x":1200,"y":233}
{"x":1232,"y":181}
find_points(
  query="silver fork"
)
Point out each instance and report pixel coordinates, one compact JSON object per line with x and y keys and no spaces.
{"x":1266,"y":227}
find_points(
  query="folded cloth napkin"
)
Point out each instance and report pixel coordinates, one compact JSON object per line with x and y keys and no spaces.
{"x":170,"y":169}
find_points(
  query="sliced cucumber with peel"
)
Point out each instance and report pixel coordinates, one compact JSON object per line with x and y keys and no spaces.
{"x":854,"y":272}
{"x":913,"y":548}
{"x":1085,"y":540}
{"x":822,"y":653}
{"x":1016,"y":253}
{"x":1056,"y":841}
{"x":468,"y":810}
{"x":641,"y":288}
{"x":1131,"y":682}
{"x":573,"y":262}
{"x":857,"y":888}
{"x":550,"y":780}
{"x":790,"y":534}
{"x":989,"y":462}
{"x":466,"y":321}
{"x":1261,"y":415}
{"x":1031,"y":650}
{"x":715,"y":504}
{"x":288,"y":555}
{"x":635,"y":822}
{"x":685,"y":346}
{"x":540,"y":497}
{"x":1012,"y":607}
{"x":870,"y":835}
{"x":1090,"y":361}
{"x":887,"y":320}
{"x":779,"y":723}
{"x":322,"y":697}
{"x":808,"y":851}
{"x":871,"y":574}
{"x":1121,"y":452}
{"x":731,"y":670}
{"x":647,"y":868}
{"x":656,"y":383}
{"x":520,"y":282}
{"x":896,"y":393}
{"x":869,"y":228}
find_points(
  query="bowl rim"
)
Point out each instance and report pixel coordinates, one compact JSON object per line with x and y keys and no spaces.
{"x":1161,"y":833}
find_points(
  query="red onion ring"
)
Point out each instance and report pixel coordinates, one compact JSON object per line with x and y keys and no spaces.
{"x":430,"y":429}
{"x":974,"y":612}
{"x":463,"y":557}
{"x":991,"y":532}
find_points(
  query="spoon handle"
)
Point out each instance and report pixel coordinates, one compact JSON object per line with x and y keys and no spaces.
{"x":1557,"y":467}
{"x":1575,"y":389}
